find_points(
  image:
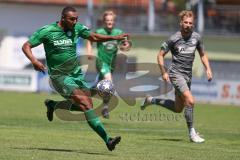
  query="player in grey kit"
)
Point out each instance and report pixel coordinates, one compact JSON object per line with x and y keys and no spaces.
{"x":182,"y":45}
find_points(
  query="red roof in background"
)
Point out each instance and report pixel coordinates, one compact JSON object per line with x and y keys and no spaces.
{"x":56,"y":2}
{"x":232,"y":2}
{"x":84,"y":2}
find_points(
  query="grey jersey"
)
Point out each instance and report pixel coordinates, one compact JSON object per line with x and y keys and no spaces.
{"x":183,"y":52}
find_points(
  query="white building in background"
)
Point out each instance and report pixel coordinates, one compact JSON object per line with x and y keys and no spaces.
{"x":18,"y":21}
{"x":22,"y":19}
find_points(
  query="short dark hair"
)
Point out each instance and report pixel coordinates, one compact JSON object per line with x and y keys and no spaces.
{"x":68,"y":9}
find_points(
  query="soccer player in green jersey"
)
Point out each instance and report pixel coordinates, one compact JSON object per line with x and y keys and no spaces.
{"x":59,"y":41}
{"x":106,"y":52}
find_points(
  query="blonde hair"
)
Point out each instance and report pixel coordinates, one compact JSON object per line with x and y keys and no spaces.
{"x":186,"y":13}
{"x":109,"y":12}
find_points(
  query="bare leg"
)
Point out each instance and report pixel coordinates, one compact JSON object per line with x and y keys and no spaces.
{"x":179,"y":103}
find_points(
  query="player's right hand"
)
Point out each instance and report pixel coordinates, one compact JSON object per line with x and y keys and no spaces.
{"x":165,"y":77}
{"x":38,"y":66}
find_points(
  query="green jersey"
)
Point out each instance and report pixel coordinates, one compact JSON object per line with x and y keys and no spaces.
{"x":107,"y":51}
{"x":59,"y":46}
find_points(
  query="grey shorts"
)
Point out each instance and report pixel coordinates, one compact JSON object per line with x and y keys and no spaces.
{"x":180,"y":83}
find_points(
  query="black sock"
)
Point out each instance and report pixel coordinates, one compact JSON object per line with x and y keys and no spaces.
{"x":67,"y":105}
{"x":106,"y":100}
{"x":166,"y":103}
{"x":75,"y":107}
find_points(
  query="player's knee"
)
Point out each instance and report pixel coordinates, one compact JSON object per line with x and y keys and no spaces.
{"x":190,"y":102}
{"x":84,"y":102}
{"x":87,"y":103}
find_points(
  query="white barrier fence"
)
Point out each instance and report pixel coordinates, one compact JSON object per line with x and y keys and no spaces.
{"x":23,"y":80}
{"x":218,"y":91}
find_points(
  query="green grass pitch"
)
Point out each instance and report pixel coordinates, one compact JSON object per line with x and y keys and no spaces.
{"x":25,"y":133}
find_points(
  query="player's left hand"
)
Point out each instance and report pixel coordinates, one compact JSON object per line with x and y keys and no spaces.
{"x":122,"y":36}
{"x":209,"y":75}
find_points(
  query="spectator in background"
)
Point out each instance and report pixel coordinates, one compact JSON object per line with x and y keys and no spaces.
{"x":171,"y":14}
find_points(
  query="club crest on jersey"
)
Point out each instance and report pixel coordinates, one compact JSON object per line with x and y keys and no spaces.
{"x":194,"y":41}
{"x":69,"y":33}
{"x":110,"y":46}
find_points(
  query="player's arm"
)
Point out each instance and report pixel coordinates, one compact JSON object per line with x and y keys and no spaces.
{"x":35,"y":40}
{"x":85,"y":33}
{"x":27,"y":50}
{"x":205,"y":62}
{"x":160,"y":58}
{"x":95,"y":37}
{"x":89,"y":49}
{"x":204,"y":58}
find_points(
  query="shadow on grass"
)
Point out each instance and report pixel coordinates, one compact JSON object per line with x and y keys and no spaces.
{"x":166,"y":139}
{"x":65,"y":150}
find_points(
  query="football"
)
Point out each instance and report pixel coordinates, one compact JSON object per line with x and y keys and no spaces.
{"x":105,"y":88}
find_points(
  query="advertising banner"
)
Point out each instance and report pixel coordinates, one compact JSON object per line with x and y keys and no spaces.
{"x":219,"y":91}
{"x":23,"y":80}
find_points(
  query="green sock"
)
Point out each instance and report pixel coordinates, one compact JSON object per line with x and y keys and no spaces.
{"x":95,"y":123}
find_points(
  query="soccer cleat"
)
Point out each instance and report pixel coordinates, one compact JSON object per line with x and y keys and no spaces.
{"x":50,"y":104}
{"x":195,"y":137}
{"x":146,"y":102}
{"x":112,"y":142}
{"x":105,"y":113}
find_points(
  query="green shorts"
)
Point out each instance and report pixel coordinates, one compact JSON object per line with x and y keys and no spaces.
{"x":104,"y":68}
{"x":66,"y":84}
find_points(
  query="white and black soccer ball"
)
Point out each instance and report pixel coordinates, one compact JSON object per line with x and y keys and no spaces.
{"x":105,"y":88}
